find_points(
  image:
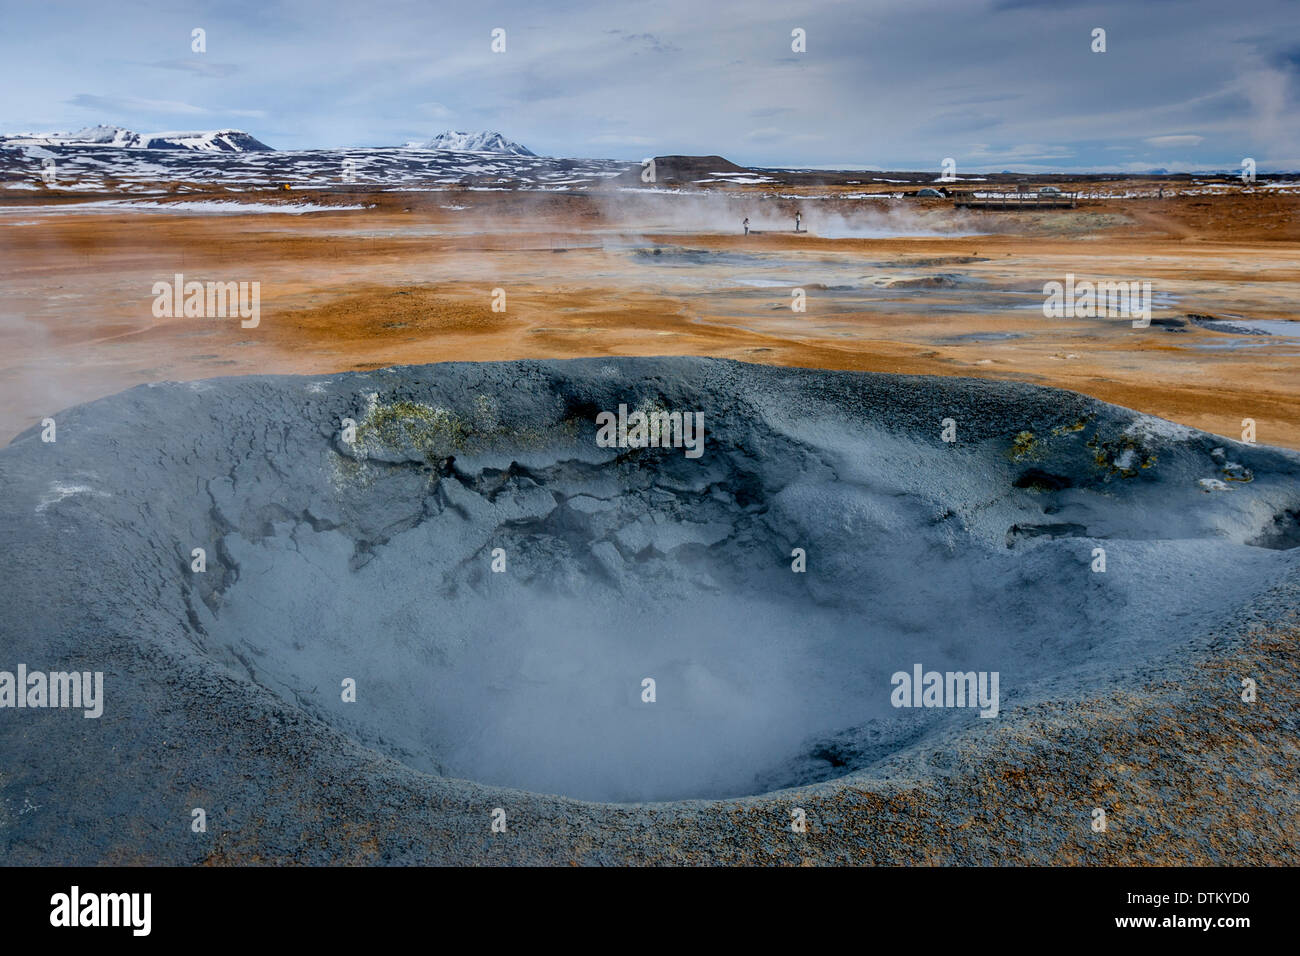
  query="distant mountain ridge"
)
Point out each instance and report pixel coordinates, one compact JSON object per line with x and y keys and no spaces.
{"x":457,"y":141}
{"x":204,"y":141}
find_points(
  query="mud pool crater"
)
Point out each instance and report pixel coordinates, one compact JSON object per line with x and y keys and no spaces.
{"x":371,"y":559}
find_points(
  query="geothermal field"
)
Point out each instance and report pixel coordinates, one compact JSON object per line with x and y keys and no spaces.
{"x":374,"y":528}
{"x":665,"y":435}
{"x":356,"y":278}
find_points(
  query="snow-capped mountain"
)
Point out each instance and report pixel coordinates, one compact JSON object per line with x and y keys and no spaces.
{"x":460,"y":142}
{"x":209,"y":141}
{"x":109,"y":169}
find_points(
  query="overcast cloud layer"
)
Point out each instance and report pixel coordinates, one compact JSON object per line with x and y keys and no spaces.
{"x":995,"y":85}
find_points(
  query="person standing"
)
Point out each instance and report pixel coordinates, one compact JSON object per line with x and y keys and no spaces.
{"x":746,"y":225}
{"x":797,"y":217}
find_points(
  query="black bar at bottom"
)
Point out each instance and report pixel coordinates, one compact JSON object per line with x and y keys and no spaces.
{"x":923,"y":906}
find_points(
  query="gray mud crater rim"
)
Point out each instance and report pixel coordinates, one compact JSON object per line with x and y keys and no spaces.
{"x":373,"y":561}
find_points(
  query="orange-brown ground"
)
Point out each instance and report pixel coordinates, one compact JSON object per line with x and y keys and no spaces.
{"x":409,"y":280}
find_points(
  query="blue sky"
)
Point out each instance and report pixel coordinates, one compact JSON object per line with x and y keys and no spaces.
{"x":1183,"y":84}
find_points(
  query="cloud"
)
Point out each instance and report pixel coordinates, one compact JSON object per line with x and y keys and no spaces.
{"x":1189,"y":139}
{"x":133,"y":104}
{"x":620,"y":138}
{"x":647,"y":41}
{"x":435,"y":111}
{"x":1025,"y":151}
{"x":200,"y":65}
{"x":774,"y":134}
{"x":961,"y":122}
{"x":879,"y":81}
{"x":1286,"y":59}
